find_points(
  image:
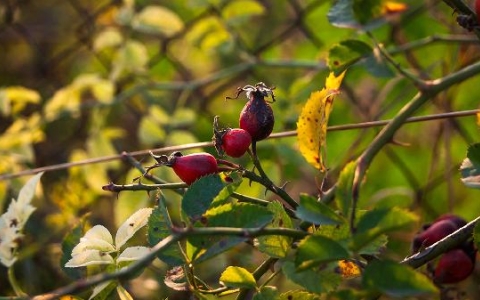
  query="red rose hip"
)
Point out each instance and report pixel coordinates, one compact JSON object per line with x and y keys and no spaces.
{"x":433,"y":234}
{"x":235,"y":142}
{"x":189,"y":167}
{"x":256,"y":116}
{"x":453,"y":266}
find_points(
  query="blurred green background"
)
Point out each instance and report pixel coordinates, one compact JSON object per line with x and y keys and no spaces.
{"x":88,"y":79}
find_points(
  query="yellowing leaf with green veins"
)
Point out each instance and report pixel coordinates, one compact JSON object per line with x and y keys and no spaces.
{"x":313,"y":120}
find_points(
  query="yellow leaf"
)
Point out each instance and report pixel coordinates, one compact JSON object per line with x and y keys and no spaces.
{"x":313,"y":120}
{"x":348,"y":269}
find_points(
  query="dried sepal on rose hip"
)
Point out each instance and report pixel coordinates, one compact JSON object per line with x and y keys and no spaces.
{"x":256,"y":116}
{"x":188,"y":168}
{"x":233,"y":142}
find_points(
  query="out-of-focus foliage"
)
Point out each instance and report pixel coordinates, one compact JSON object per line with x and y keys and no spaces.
{"x":86,"y":79}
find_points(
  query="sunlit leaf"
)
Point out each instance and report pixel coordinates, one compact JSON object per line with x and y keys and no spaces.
{"x":208,"y":34}
{"x":313,"y":120}
{"x":240,"y":10}
{"x":89,"y":257}
{"x":131,"y":57}
{"x":396,"y":280}
{"x":97,"y":238}
{"x":14,"y":98}
{"x":316,"y":212}
{"x":27,"y":192}
{"x":237,"y":277}
{"x":108,"y":38}
{"x":134,"y":223}
{"x":157,"y":19}
{"x":103,"y":291}
{"x":348,"y":269}
{"x":133,"y":254}
{"x":317,"y":249}
{"x":123,"y":294}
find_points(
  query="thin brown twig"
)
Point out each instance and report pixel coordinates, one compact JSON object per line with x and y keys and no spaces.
{"x":169,"y":149}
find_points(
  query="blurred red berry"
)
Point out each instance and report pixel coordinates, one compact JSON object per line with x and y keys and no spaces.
{"x":433,"y":234}
{"x":453,"y":266}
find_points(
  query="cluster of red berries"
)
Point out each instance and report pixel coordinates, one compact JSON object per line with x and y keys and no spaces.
{"x":256,"y":123}
{"x":454,"y":265}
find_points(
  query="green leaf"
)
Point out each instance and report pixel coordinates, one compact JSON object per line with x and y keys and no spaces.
{"x":239,"y":215}
{"x":377,"y":65}
{"x":69,"y":242}
{"x":157,"y":19}
{"x":473,"y":153}
{"x":343,"y":193}
{"x":244,"y":215}
{"x":313,"y":211}
{"x":224,"y":196}
{"x":376,"y":222}
{"x":159,"y":225}
{"x":200,"y":195}
{"x":267,"y":293}
{"x":315,"y":250}
{"x":298,"y":295}
{"x":341,"y":15}
{"x":314,"y":281}
{"x":341,"y":234}
{"x":276,"y":245}
{"x":346,"y":53}
{"x":366,"y":11}
{"x":237,"y":277}
{"x":396,"y":280}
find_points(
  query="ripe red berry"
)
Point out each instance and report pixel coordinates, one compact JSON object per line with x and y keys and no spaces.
{"x":235,"y":142}
{"x":189,"y":167}
{"x":453,"y":218}
{"x":453,"y":266}
{"x":433,"y":234}
{"x":257,"y":115}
